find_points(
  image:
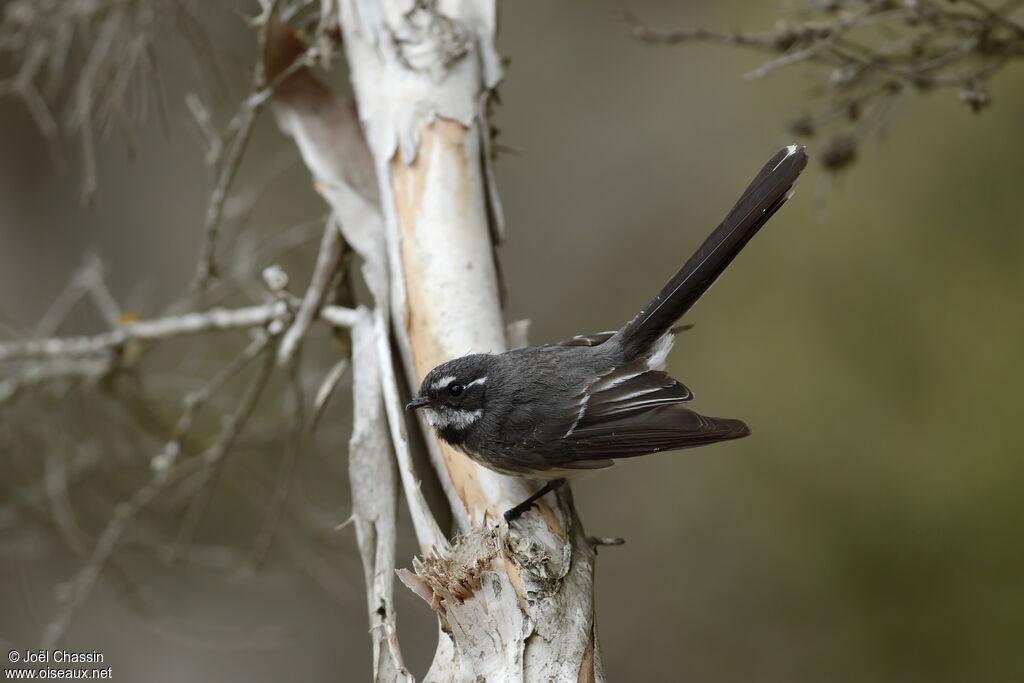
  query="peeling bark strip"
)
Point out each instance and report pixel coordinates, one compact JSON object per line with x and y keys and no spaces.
{"x":374,"y":498}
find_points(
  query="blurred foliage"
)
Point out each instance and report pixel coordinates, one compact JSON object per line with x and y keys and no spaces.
{"x":868,"y":53}
{"x":88,"y":69}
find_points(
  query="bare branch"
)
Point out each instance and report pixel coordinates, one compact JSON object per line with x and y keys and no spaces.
{"x":213,"y":457}
{"x":870,"y":52}
{"x":87,"y":280}
{"x":327,"y":262}
{"x":80,"y":587}
{"x":33,"y":375}
{"x":206,"y":271}
{"x":195,"y":400}
{"x":339,"y":316}
{"x":282,"y":483}
{"x":264,"y":84}
{"x":87,"y":68}
{"x":326,"y":390}
{"x":161,"y":328}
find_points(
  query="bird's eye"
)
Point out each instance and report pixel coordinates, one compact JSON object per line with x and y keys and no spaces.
{"x":455,"y":388}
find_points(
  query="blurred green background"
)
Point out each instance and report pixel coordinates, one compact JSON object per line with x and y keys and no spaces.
{"x":872,"y":336}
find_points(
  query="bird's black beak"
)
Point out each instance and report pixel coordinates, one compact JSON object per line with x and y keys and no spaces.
{"x":417,"y":402}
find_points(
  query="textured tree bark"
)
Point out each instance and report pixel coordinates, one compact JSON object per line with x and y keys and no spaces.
{"x":514,"y":604}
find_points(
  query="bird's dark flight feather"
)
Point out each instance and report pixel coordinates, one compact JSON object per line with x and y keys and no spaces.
{"x":769,"y":190}
{"x":640,"y":393}
{"x":662,"y":428}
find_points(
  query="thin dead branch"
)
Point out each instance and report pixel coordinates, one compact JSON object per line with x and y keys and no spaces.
{"x":864,"y":55}
{"x":332,"y":248}
{"x":214,"y":457}
{"x":216,"y":319}
{"x":88,"y":69}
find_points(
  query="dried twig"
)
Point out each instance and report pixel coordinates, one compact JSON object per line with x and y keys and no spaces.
{"x":292,"y":450}
{"x":213,"y":458}
{"x":34,"y":375}
{"x":326,"y":390}
{"x":871,"y":52}
{"x":87,"y":69}
{"x":238,"y":132}
{"x":215,"y":319}
{"x":79,"y":588}
{"x":327,"y":262}
{"x":195,"y":400}
{"x":148,"y":330}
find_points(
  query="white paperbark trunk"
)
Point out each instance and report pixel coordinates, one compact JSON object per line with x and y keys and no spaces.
{"x":513,"y":604}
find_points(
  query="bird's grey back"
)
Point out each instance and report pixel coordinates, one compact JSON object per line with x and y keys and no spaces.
{"x":530,"y":387}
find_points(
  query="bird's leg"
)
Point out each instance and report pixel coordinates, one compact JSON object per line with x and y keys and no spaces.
{"x":518,"y":510}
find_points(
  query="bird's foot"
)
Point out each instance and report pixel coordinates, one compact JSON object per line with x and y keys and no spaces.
{"x":518,"y":510}
{"x":515,"y":513}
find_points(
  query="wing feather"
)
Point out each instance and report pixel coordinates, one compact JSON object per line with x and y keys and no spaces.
{"x":661,"y":428}
{"x":634,"y":411}
{"x":614,"y":397}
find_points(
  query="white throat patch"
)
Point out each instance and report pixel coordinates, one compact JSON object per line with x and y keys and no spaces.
{"x":447,"y":416}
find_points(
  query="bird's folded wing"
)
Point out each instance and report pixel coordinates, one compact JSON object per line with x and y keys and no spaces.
{"x":626,"y":391}
{"x":628,"y":413}
{"x":663,"y":428}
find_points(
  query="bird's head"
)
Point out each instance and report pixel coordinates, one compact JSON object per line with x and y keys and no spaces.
{"x":452,"y":394}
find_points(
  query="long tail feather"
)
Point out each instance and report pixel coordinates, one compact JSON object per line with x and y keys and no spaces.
{"x":767,"y":192}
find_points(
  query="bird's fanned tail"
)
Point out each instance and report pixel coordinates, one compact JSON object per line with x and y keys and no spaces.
{"x":769,"y":190}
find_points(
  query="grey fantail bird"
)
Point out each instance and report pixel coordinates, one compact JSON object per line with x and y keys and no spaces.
{"x":549,"y":412}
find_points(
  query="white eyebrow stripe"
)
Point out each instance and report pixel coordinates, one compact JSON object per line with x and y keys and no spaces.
{"x":443,"y":382}
{"x":477,"y":381}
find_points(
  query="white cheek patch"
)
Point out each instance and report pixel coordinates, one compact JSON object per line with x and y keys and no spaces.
{"x":445,"y":416}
